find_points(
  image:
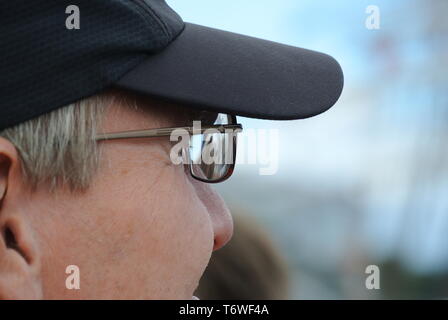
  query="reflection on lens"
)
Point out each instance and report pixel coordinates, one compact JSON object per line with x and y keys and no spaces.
{"x":212,"y":153}
{"x":210,"y":172}
{"x":208,"y":153}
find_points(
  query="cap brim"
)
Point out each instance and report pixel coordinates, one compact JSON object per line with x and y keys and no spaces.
{"x":230,"y":73}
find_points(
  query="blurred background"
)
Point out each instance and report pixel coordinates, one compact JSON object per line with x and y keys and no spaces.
{"x":365,"y":183}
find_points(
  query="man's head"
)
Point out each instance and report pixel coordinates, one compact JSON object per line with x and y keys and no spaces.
{"x":135,"y":224}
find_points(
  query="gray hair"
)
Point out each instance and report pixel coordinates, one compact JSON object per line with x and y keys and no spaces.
{"x":59,"y":148}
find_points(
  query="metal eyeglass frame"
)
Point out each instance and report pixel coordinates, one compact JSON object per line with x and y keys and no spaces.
{"x":164,"y":132}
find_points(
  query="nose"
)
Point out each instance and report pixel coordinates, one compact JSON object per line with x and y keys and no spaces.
{"x":220,"y":215}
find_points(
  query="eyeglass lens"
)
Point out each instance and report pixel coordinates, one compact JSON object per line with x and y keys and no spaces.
{"x":212,"y":153}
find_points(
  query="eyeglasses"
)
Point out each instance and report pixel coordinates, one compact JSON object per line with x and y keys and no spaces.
{"x":210,"y":151}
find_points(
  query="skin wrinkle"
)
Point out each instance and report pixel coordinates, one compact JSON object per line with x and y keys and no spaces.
{"x":119,"y":248}
{"x":156,"y":181}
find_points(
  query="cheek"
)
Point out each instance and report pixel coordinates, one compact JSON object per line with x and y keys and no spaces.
{"x":187,"y":234}
{"x":158,"y":227}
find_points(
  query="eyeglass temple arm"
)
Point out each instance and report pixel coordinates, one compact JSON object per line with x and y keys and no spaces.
{"x":163,"y":132}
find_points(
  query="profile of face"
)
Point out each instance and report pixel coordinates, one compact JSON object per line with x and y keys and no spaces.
{"x":144,"y":229}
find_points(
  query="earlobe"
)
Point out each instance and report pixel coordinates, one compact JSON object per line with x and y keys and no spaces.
{"x":19,"y":259}
{"x":20,"y":271}
{"x":19,"y":265}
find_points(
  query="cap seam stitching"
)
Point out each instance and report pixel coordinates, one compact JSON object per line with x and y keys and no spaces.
{"x":143,"y":13}
{"x":146,"y":7}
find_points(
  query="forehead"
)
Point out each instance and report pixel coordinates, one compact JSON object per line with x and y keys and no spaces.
{"x":181,"y":115}
{"x":131,"y":111}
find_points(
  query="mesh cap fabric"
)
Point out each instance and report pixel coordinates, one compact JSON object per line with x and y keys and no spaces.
{"x":44,"y":65}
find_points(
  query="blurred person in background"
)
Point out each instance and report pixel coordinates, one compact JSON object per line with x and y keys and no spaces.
{"x":249,"y":267}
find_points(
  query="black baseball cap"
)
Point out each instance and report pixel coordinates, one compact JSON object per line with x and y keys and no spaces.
{"x":145,"y":47}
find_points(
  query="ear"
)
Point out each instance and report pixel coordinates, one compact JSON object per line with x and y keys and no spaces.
{"x":19,"y":259}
